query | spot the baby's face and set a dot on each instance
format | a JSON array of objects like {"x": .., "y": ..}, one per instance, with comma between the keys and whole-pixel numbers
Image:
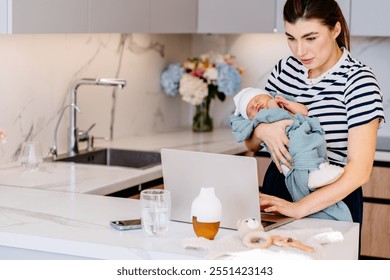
[{"x": 256, "y": 104}]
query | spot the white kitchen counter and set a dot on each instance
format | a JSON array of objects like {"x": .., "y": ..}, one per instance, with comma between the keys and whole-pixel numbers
[
  {"x": 103, "y": 180},
  {"x": 77, "y": 178},
  {"x": 48, "y": 224}
]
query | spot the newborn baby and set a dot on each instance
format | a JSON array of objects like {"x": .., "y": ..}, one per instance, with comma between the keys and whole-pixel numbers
[{"x": 250, "y": 101}]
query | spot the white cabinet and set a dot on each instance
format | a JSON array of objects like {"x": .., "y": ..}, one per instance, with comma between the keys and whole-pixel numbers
[
  {"x": 173, "y": 16},
  {"x": 3, "y": 16},
  {"x": 119, "y": 16},
  {"x": 44, "y": 16},
  {"x": 279, "y": 25},
  {"x": 370, "y": 18},
  {"x": 365, "y": 18},
  {"x": 98, "y": 16},
  {"x": 236, "y": 16}
]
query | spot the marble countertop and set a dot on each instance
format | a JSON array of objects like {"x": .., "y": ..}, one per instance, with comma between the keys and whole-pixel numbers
[
  {"x": 103, "y": 180},
  {"x": 41, "y": 224}
]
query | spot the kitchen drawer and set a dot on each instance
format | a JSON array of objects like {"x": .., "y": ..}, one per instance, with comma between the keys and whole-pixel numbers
[
  {"x": 378, "y": 186},
  {"x": 376, "y": 230}
]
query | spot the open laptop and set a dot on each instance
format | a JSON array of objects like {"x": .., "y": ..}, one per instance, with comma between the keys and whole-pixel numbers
[{"x": 233, "y": 177}]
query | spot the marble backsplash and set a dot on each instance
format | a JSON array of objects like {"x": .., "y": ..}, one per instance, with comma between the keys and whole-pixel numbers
[{"x": 36, "y": 73}]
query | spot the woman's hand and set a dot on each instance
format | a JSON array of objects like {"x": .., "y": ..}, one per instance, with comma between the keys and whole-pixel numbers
[
  {"x": 274, "y": 136},
  {"x": 269, "y": 203}
]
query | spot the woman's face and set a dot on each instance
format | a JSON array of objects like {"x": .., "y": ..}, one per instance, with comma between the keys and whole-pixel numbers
[
  {"x": 314, "y": 44},
  {"x": 256, "y": 104}
]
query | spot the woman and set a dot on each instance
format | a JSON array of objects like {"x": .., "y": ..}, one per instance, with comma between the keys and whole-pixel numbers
[{"x": 337, "y": 89}]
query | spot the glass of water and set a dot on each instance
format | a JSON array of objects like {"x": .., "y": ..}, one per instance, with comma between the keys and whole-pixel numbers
[
  {"x": 31, "y": 155},
  {"x": 155, "y": 211}
]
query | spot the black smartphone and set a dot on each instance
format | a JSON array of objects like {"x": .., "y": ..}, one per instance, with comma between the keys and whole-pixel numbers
[{"x": 126, "y": 224}]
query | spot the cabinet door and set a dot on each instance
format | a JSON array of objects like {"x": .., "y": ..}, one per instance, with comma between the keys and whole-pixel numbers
[
  {"x": 279, "y": 25},
  {"x": 378, "y": 185},
  {"x": 236, "y": 16},
  {"x": 376, "y": 221},
  {"x": 344, "y": 5},
  {"x": 3, "y": 16},
  {"x": 173, "y": 16},
  {"x": 119, "y": 16},
  {"x": 376, "y": 230},
  {"x": 370, "y": 18},
  {"x": 47, "y": 16}
]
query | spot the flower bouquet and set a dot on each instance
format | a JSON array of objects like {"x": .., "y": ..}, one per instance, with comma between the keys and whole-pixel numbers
[{"x": 199, "y": 80}]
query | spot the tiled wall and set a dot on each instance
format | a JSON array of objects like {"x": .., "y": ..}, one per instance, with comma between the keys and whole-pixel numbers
[{"x": 36, "y": 72}]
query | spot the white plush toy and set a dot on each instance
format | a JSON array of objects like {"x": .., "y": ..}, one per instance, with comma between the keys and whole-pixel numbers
[{"x": 244, "y": 226}]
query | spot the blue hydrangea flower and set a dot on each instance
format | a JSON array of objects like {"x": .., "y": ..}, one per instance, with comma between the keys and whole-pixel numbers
[
  {"x": 229, "y": 80},
  {"x": 170, "y": 79}
]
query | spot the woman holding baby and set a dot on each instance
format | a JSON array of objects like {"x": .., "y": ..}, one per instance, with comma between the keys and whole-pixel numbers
[{"x": 337, "y": 89}]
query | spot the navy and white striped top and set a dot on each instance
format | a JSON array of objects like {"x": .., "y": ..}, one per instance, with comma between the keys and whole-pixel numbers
[{"x": 345, "y": 97}]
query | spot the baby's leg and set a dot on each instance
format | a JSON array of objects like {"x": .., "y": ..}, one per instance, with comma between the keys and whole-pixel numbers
[{"x": 326, "y": 174}]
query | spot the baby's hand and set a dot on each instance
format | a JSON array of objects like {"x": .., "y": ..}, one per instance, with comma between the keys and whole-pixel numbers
[{"x": 281, "y": 101}]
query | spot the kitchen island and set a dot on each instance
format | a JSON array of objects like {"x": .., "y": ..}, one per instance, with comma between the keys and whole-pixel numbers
[
  {"x": 41, "y": 224},
  {"x": 59, "y": 211}
]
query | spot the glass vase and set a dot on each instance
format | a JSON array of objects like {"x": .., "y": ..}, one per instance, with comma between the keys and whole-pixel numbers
[{"x": 202, "y": 122}]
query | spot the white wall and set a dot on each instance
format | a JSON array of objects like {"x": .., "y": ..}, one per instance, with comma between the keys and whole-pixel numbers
[{"x": 36, "y": 72}]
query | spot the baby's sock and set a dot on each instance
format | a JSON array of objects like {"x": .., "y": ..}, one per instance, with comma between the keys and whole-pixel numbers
[
  {"x": 326, "y": 174},
  {"x": 285, "y": 169}
]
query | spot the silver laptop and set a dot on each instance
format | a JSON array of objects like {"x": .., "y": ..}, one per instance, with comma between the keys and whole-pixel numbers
[{"x": 233, "y": 177}]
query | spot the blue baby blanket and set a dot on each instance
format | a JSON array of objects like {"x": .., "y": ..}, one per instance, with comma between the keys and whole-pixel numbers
[{"x": 307, "y": 147}]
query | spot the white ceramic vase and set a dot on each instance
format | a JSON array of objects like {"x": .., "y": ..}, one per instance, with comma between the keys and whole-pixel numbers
[{"x": 206, "y": 212}]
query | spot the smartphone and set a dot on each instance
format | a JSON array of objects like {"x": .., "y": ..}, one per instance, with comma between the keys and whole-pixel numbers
[{"x": 126, "y": 224}]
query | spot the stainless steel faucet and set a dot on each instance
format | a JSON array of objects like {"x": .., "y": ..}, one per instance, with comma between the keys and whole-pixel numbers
[
  {"x": 73, "y": 131},
  {"x": 53, "y": 150}
]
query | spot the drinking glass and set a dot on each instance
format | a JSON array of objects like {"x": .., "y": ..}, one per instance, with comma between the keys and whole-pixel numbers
[
  {"x": 31, "y": 155},
  {"x": 155, "y": 211}
]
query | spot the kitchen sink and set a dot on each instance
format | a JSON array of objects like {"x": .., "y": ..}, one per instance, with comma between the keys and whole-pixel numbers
[{"x": 116, "y": 157}]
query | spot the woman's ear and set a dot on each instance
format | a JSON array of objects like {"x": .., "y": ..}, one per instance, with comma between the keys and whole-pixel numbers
[{"x": 336, "y": 30}]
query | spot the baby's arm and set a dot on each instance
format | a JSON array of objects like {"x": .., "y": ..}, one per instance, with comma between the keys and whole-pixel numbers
[{"x": 292, "y": 107}]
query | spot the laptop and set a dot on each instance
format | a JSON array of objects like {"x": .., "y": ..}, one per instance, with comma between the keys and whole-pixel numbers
[{"x": 233, "y": 177}]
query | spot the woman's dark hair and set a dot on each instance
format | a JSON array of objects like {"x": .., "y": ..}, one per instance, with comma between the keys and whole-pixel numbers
[{"x": 327, "y": 11}]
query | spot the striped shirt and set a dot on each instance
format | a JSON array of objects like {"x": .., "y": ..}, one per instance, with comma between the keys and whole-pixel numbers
[{"x": 346, "y": 96}]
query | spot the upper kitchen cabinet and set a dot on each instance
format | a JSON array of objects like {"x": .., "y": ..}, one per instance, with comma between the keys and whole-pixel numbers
[
  {"x": 173, "y": 16},
  {"x": 43, "y": 16},
  {"x": 279, "y": 25},
  {"x": 344, "y": 5},
  {"x": 370, "y": 18},
  {"x": 236, "y": 16},
  {"x": 119, "y": 16}
]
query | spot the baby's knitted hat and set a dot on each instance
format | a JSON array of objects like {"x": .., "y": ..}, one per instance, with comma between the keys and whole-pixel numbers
[{"x": 242, "y": 99}]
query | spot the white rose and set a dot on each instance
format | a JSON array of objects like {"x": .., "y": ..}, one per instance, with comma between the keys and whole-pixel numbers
[
  {"x": 192, "y": 89},
  {"x": 211, "y": 74}
]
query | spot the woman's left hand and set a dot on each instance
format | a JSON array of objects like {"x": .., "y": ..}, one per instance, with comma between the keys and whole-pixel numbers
[{"x": 269, "y": 203}]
